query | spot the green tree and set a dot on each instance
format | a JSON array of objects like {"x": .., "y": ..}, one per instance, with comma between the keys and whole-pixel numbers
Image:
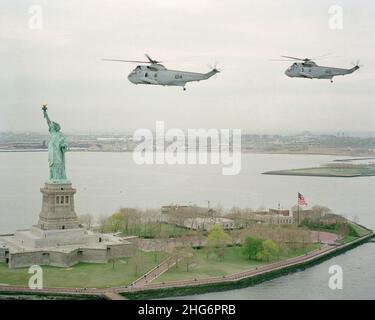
[
  {"x": 252, "y": 247},
  {"x": 269, "y": 250},
  {"x": 115, "y": 222},
  {"x": 130, "y": 220},
  {"x": 218, "y": 240}
]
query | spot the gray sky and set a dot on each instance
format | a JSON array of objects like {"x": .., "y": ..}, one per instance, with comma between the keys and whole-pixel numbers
[{"x": 60, "y": 64}]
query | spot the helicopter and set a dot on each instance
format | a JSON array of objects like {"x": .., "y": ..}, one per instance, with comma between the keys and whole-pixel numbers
[
  {"x": 308, "y": 69},
  {"x": 156, "y": 74}
]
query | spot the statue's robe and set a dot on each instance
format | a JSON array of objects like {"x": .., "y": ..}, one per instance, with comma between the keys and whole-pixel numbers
[{"x": 56, "y": 156}]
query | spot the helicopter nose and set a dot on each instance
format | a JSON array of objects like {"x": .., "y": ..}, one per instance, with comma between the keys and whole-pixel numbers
[{"x": 287, "y": 73}]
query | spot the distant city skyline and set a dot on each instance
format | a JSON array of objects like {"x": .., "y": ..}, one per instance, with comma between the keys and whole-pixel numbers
[
  {"x": 359, "y": 134},
  {"x": 60, "y": 64}
]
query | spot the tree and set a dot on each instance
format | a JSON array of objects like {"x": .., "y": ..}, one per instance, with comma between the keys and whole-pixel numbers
[
  {"x": 102, "y": 221},
  {"x": 269, "y": 250},
  {"x": 320, "y": 211},
  {"x": 188, "y": 255},
  {"x": 236, "y": 236},
  {"x": 115, "y": 222},
  {"x": 131, "y": 219},
  {"x": 138, "y": 260},
  {"x": 158, "y": 247},
  {"x": 113, "y": 261},
  {"x": 284, "y": 250},
  {"x": 252, "y": 247},
  {"x": 218, "y": 239},
  {"x": 317, "y": 213},
  {"x": 86, "y": 220}
]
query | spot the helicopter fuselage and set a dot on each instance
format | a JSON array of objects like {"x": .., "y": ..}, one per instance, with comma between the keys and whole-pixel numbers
[
  {"x": 311, "y": 70},
  {"x": 157, "y": 74}
]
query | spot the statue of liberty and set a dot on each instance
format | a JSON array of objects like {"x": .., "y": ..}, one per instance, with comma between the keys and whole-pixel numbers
[{"x": 57, "y": 147}]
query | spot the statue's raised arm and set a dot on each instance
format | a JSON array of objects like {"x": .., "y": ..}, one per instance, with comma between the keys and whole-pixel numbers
[{"x": 45, "y": 114}]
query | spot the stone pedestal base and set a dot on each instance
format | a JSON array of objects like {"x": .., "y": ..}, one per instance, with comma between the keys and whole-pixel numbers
[
  {"x": 62, "y": 248},
  {"x": 38, "y": 238},
  {"x": 58, "y": 207}
]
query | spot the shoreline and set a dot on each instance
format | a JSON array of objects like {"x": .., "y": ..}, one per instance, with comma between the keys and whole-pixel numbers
[
  {"x": 246, "y": 281},
  {"x": 355, "y": 156},
  {"x": 206, "y": 285}
]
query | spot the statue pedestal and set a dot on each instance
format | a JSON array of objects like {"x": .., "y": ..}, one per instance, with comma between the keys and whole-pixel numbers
[
  {"x": 37, "y": 238},
  {"x": 58, "y": 240},
  {"x": 58, "y": 207}
]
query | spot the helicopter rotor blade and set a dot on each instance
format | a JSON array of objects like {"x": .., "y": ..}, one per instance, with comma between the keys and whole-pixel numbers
[
  {"x": 152, "y": 60},
  {"x": 213, "y": 66},
  {"x": 282, "y": 60},
  {"x": 294, "y": 58},
  {"x": 130, "y": 61}
]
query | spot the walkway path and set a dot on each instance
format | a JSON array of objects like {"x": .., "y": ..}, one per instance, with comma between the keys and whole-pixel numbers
[
  {"x": 144, "y": 283},
  {"x": 237, "y": 276},
  {"x": 155, "y": 272}
]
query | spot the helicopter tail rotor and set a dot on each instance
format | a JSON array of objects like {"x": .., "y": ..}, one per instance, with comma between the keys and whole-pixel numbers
[
  {"x": 357, "y": 64},
  {"x": 214, "y": 67}
]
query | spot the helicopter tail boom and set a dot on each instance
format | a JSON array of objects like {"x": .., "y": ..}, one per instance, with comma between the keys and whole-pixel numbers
[
  {"x": 211, "y": 73},
  {"x": 355, "y": 68}
]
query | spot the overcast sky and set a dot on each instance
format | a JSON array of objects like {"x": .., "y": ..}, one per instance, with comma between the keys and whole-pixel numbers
[{"x": 60, "y": 64}]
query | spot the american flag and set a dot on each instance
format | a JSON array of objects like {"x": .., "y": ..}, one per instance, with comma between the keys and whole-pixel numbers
[{"x": 301, "y": 200}]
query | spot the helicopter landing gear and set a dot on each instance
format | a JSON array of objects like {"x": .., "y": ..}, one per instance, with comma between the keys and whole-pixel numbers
[{"x": 331, "y": 80}]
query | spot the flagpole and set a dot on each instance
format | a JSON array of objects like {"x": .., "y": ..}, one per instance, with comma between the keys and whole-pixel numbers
[
  {"x": 298, "y": 213},
  {"x": 319, "y": 228},
  {"x": 298, "y": 220}
]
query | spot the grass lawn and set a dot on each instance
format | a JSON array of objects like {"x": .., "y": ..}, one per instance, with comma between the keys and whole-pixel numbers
[
  {"x": 357, "y": 231},
  {"x": 89, "y": 275},
  {"x": 347, "y": 239},
  {"x": 234, "y": 261}
]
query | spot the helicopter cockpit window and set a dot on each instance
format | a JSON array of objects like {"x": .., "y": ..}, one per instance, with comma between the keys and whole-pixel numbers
[
  {"x": 292, "y": 67},
  {"x": 136, "y": 70}
]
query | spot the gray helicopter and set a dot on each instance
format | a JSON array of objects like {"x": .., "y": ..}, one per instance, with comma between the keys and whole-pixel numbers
[
  {"x": 308, "y": 69},
  {"x": 156, "y": 74}
]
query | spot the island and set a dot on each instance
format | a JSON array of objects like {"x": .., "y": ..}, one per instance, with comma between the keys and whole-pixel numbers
[
  {"x": 338, "y": 169},
  {"x": 186, "y": 249}
]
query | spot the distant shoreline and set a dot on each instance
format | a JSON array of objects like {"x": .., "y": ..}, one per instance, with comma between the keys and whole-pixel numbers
[{"x": 352, "y": 155}]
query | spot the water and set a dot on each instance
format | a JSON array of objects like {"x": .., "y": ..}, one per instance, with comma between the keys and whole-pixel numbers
[
  {"x": 312, "y": 283},
  {"x": 108, "y": 181}
]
